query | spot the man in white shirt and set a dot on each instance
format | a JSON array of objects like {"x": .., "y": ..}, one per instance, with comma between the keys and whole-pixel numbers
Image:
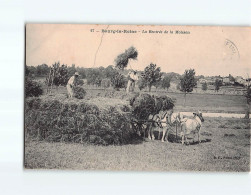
[
  {"x": 133, "y": 76},
  {"x": 71, "y": 84}
]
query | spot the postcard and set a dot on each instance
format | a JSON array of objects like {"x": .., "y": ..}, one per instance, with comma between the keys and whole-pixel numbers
[{"x": 137, "y": 97}]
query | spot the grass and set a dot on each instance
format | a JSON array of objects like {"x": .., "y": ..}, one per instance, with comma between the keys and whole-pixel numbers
[
  {"x": 225, "y": 141},
  {"x": 222, "y": 149},
  {"x": 204, "y": 102}
]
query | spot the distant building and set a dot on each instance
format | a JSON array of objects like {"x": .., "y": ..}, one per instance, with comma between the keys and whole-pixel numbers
[
  {"x": 226, "y": 81},
  {"x": 241, "y": 81}
]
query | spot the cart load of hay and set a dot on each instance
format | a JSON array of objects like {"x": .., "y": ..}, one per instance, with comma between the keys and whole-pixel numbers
[
  {"x": 81, "y": 121},
  {"x": 101, "y": 120},
  {"x": 144, "y": 105}
]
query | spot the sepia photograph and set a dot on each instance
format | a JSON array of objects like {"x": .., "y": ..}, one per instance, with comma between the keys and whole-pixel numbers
[{"x": 137, "y": 97}]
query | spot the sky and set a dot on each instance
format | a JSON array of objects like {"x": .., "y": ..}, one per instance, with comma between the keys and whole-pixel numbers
[{"x": 210, "y": 51}]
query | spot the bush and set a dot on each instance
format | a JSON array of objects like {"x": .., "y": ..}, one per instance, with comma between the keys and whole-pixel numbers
[
  {"x": 32, "y": 88},
  {"x": 79, "y": 92}
]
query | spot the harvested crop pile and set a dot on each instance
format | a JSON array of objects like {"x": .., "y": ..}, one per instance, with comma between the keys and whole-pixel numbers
[
  {"x": 145, "y": 104},
  {"x": 79, "y": 92},
  {"x": 60, "y": 119}
]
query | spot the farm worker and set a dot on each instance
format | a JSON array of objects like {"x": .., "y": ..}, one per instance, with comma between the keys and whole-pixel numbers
[
  {"x": 71, "y": 84},
  {"x": 133, "y": 76}
]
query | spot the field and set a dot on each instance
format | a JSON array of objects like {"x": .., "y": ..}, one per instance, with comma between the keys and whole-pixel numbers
[
  {"x": 225, "y": 147},
  {"x": 194, "y": 101},
  {"x": 225, "y": 141}
]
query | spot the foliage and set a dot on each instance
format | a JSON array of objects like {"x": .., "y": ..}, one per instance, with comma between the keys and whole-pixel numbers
[
  {"x": 109, "y": 72},
  {"x": 151, "y": 75},
  {"x": 82, "y": 72},
  {"x": 187, "y": 81},
  {"x": 204, "y": 86},
  {"x": 27, "y": 71},
  {"x": 32, "y": 88},
  {"x": 105, "y": 83},
  {"x": 30, "y": 71},
  {"x": 122, "y": 59},
  {"x": 118, "y": 81},
  {"x": 79, "y": 92},
  {"x": 141, "y": 84},
  {"x": 42, "y": 70},
  {"x": 71, "y": 70},
  {"x": 61, "y": 76},
  {"x": 94, "y": 77},
  {"x": 217, "y": 84},
  {"x": 158, "y": 84},
  {"x": 166, "y": 82}
]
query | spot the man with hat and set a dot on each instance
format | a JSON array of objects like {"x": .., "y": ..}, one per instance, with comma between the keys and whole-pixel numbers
[{"x": 71, "y": 84}]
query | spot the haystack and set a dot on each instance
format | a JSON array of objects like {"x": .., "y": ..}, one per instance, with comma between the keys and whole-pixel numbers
[
  {"x": 72, "y": 120},
  {"x": 145, "y": 104}
]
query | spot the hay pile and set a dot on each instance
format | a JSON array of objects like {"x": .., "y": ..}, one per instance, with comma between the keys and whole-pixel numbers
[
  {"x": 80, "y": 121},
  {"x": 145, "y": 104},
  {"x": 100, "y": 120},
  {"x": 79, "y": 92}
]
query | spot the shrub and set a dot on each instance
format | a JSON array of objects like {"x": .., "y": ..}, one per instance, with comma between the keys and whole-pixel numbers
[
  {"x": 79, "y": 92},
  {"x": 32, "y": 88}
]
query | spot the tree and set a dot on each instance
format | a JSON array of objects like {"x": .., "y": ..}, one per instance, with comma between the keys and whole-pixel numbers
[
  {"x": 217, "y": 84},
  {"x": 122, "y": 59},
  {"x": 81, "y": 72},
  {"x": 141, "y": 84},
  {"x": 151, "y": 75},
  {"x": 105, "y": 83},
  {"x": 204, "y": 86},
  {"x": 118, "y": 81},
  {"x": 109, "y": 72},
  {"x": 42, "y": 70},
  {"x": 71, "y": 70},
  {"x": 62, "y": 77},
  {"x": 166, "y": 82},
  {"x": 187, "y": 82},
  {"x": 158, "y": 84},
  {"x": 30, "y": 71},
  {"x": 94, "y": 77}
]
